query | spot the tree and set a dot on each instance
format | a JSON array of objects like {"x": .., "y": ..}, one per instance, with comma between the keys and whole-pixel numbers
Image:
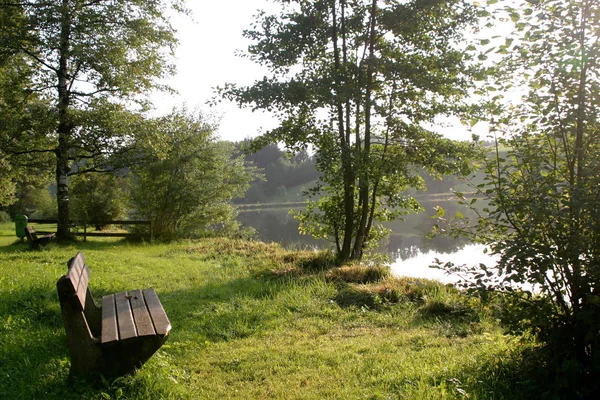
[
  {"x": 90, "y": 60},
  {"x": 186, "y": 189},
  {"x": 21, "y": 113},
  {"x": 543, "y": 218},
  {"x": 359, "y": 82},
  {"x": 7, "y": 186}
]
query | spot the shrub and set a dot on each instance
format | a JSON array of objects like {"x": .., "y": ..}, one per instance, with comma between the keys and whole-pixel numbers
[
  {"x": 4, "y": 217},
  {"x": 187, "y": 189},
  {"x": 98, "y": 197}
]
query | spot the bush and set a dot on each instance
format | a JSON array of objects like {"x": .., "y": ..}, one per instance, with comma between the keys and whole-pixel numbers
[
  {"x": 98, "y": 197},
  {"x": 4, "y": 217},
  {"x": 186, "y": 191},
  {"x": 44, "y": 204}
]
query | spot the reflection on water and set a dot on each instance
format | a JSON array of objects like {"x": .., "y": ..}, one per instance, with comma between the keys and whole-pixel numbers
[
  {"x": 278, "y": 226},
  {"x": 401, "y": 247},
  {"x": 408, "y": 244},
  {"x": 418, "y": 264}
]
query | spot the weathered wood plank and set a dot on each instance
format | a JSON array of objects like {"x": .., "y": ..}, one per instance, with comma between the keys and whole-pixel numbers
[
  {"x": 84, "y": 280},
  {"x": 75, "y": 267},
  {"x": 110, "y": 330},
  {"x": 162, "y": 325},
  {"x": 125, "y": 316},
  {"x": 79, "y": 275},
  {"x": 141, "y": 316}
]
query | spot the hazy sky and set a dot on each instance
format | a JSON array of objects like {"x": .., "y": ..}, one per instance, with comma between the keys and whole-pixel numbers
[{"x": 206, "y": 58}]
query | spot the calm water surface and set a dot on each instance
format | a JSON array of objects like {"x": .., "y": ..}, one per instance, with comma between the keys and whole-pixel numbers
[
  {"x": 418, "y": 264},
  {"x": 408, "y": 246}
]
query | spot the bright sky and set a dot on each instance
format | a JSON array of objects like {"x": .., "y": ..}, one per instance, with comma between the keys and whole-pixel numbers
[{"x": 206, "y": 58}]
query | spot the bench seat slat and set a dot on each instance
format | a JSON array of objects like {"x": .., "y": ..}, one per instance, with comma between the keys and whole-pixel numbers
[
  {"x": 125, "y": 316},
  {"x": 110, "y": 330},
  {"x": 142, "y": 319},
  {"x": 162, "y": 325}
]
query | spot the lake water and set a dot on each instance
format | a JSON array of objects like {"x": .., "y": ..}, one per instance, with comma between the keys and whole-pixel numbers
[
  {"x": 418, "y": 264},
  {"x": 408, "y": 245}
]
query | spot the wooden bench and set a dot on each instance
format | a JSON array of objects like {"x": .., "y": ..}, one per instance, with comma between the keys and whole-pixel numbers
[
  {"x": 117, "y": 337},
  {"x": 34, "y": 241}
]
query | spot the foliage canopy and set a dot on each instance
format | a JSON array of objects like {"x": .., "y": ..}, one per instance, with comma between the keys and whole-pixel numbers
[
  {"x": 543, "y": 218},
  {"x": 186, "y": 188},
  {"x": 360, "y": 82},
  {"x": 89, "y": 62}
]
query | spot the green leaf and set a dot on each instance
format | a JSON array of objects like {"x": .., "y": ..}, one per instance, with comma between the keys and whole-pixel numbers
[{"x": 440, "y": 212}]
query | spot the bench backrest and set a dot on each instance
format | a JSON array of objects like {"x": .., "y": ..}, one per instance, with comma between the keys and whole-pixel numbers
[
  {"x": 30, "y": 231},
  {"x": 77, "y": 302},
  {"x": 76, "y": 281}
]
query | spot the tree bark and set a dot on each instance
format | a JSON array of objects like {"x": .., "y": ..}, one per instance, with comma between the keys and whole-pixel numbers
[
  {"x": 64, "y": 129},
  {"x": 348, "y": 175},
  {"x": 364, "y": 184}
]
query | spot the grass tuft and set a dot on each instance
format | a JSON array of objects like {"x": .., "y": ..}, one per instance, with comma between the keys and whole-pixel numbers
[
  {"x": 311, "y": 261},
  {"x": 358, "y": 273}
]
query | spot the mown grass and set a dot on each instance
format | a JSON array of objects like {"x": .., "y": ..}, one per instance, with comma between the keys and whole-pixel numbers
[{"x": 250, "y": 321}]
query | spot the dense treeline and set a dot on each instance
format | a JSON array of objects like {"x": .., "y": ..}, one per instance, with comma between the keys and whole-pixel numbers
[
  {"x": 284, "y": 177},
  {"x": 281, "y": 172}
]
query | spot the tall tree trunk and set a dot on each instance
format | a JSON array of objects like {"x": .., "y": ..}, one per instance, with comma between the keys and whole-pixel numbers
[
  {"x": 64, "y": 129},
  {"x": 364, "y": 184},
  {"x": 580, "y": 287},
  {"x": 377, "y": 179},
  {"x": 346, "y": 155}
]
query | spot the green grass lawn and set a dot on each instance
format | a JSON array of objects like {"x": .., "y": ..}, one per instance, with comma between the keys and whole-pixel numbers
[{"x": 249, "y": 322}]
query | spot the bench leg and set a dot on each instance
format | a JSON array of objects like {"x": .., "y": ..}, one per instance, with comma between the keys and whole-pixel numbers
[
  {"x": 86, "y": 358},
  {"x": 125, "y": 358}
]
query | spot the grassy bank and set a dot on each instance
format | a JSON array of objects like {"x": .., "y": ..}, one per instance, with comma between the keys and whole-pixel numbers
[{"x": 252, "y": 321}]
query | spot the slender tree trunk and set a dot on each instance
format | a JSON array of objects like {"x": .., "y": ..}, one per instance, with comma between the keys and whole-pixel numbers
[
  {"x": 377, "y": 180},
  {"x": 364, "y": 184},
  {"x": 580, "y": 287},
  {"x": 348, "y": 175},
  {"x": 64, "y": 129}
]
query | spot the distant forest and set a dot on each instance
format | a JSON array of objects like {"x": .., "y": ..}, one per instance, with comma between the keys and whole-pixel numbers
[
  {"x": 283, "y": 174},
  {"x": 285, "y": 177}
]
